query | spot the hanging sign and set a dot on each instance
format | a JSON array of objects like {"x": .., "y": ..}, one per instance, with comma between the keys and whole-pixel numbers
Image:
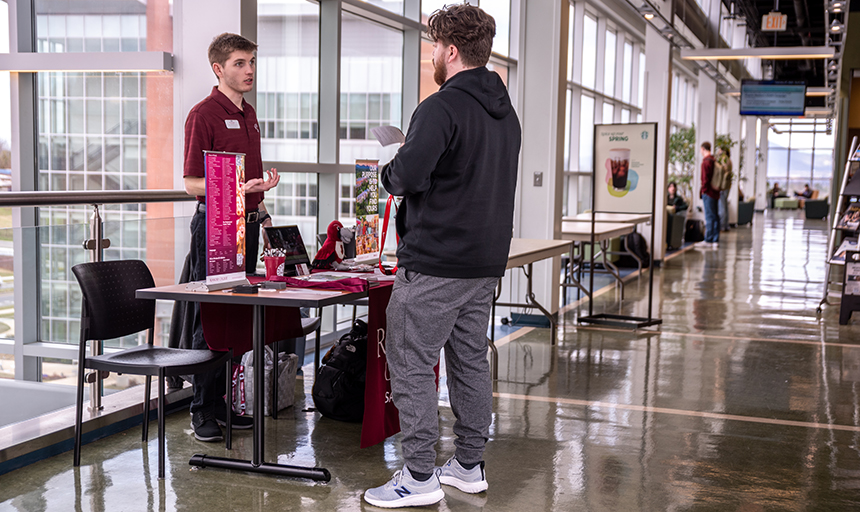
[
  {"x": 225, "y": 217},
  {"x": 774, "y": 22}
]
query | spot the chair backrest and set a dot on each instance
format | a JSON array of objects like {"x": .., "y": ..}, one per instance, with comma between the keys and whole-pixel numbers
[{"x": 110, "y": 309}]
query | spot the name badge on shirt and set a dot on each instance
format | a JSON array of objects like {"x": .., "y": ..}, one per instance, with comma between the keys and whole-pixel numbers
[{"x": 232, "y": 124}]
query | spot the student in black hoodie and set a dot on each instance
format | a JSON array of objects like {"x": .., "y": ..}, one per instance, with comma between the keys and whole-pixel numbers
[{"x": 457, "y": 173}]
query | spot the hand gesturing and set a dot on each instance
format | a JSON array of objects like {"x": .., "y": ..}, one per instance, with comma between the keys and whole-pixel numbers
[{"x": 260, "y": 185}]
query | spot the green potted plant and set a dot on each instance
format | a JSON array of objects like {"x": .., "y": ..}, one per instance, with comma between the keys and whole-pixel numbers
[{"x": 682, "y": 157}]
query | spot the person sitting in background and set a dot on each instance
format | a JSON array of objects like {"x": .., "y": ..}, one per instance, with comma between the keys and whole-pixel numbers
[
  {"x": 777, "y": 192},
  {"x": 673, "y": 199},
  {"x": 806, "y": 193}
]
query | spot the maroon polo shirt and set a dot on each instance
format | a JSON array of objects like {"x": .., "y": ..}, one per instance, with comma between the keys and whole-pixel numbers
[{"x": 216, "y": 124}]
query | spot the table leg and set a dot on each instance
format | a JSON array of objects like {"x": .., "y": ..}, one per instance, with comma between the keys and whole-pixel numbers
[
  {"x": 612, "y": 269},
  {"x": 256, "y": 463},
  {"x": 628, "y": 251},
  {"x": 532, "y": 300},
  {"x": 259, "y": 381}
]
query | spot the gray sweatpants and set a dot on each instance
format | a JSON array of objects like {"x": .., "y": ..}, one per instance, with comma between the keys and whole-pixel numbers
[{"x": 425, "y": 314}]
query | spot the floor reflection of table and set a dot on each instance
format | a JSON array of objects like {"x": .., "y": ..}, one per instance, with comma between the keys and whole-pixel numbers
[
  {"x": 524, "y": 252},
  {"x": 580, "y": 232},
  {"x": 291, "y": 297}
]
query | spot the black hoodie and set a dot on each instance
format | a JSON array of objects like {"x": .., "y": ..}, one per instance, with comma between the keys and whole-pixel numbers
[{"x": 457, "y": 173}]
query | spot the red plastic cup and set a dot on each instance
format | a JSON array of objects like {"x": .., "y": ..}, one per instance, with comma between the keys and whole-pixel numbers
[{"x": 274, "y": 266}]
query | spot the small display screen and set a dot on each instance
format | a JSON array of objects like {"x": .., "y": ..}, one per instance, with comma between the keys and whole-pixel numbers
[
  {"x": 289, "y": 240},
  {"x": 773, "y": 98}
]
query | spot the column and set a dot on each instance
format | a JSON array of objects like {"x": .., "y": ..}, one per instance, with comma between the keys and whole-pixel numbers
[
  {"x": 706, "y": 130},
  {"x": 658, "y": 98},
  {"x": 751, "y": 171},
  {"x": 761, "y": 171},
  {"x": 735, "y": 123},
  {"x": 195, "y": 24},
  {"x": 541, "y": 93}
]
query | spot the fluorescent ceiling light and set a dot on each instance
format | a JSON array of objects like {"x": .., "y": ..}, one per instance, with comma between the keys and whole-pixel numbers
[
  {"x": 108, "y": 62},
  {"x": 772, "y": 52}
]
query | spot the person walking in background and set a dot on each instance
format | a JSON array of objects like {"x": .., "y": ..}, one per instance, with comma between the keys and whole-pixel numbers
[
  {"x": 724, "y": 157},
  {"x": 457, "y": 173},
  {"x": 710, "y": 196}
]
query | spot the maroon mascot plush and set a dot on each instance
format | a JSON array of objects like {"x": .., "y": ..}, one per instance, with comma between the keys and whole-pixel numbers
[{"x": 331, "y": 252}]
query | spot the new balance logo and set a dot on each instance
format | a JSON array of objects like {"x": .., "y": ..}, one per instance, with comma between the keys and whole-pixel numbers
[{"x": 403, "y": 491}]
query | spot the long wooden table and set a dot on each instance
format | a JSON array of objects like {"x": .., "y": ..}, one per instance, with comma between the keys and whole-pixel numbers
[
  {"x": 622, "y": 218},
  {"x": 580, "y": 232},
  {"x": 291, "y": 297}
]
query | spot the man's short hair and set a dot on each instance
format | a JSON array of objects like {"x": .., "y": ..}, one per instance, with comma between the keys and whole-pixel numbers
[
  {"x": 468, "y": 28},
  {"x": 225, "y": 44},
  {"x": 706, "y": 145}
]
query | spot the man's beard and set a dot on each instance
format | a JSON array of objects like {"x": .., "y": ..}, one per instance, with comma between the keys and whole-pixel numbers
[{"x": 440, "y": 73}]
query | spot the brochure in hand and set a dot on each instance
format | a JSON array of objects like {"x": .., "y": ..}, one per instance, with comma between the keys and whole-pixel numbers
[
  {"x": 851, "y": 218},
  {"x": 387, "y": 135}
]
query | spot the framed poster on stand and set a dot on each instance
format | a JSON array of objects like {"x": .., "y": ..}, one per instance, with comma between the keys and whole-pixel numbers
[{"x": 624, "y": 179}]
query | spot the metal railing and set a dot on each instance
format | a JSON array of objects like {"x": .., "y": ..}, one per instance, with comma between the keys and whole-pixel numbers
[{"x": 96, "y": 244}]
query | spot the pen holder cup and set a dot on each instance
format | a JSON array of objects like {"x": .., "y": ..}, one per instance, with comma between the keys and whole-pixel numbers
[{"x": 274, "y": 266}]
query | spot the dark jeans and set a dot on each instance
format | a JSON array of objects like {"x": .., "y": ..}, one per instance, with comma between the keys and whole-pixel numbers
[
  {"x": 712, "y": 218},
  {"x": 209, "y": 387}
]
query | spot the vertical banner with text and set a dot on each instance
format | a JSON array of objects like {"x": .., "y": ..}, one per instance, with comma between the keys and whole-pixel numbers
[
  {"x": 225, "y": 217},
  {"x": 367, "y": 210},
  {"x": 625, "y": 160}
]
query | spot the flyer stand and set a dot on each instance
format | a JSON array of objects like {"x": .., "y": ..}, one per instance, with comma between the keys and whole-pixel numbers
[{"x": 624, "y": 181}]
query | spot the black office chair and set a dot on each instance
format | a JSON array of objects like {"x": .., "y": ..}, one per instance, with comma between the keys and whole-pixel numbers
[{"x": 110, "y": 310}]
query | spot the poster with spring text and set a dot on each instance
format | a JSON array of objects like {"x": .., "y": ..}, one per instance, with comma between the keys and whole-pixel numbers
[
  {"x": 625, "y": 158},
  {"x": 366, "y": 210},
  {"x": 225, "y": 217}
]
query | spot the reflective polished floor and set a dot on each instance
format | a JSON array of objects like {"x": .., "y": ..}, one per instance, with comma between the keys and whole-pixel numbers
[{"x": 743, "y": 400}]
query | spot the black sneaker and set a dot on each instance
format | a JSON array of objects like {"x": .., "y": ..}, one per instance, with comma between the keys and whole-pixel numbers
[
  {"x": 239, "y": 422},
  {"x": 205, "y": 428}
]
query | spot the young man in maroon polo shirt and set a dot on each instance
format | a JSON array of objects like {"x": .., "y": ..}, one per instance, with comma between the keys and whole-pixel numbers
[{"x": 223, "y": 122}]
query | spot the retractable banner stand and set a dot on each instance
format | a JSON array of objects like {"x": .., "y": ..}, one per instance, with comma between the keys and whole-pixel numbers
[
  {"x": 625, "y": 174},
  {"x": 225, "y": 219},
  {"x": 366, "y": 211}
]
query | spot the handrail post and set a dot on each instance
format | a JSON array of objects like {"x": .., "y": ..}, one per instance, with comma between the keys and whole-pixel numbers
[{"x": 96, "y": 245}]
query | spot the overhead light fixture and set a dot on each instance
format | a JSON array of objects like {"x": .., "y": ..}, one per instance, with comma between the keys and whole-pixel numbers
[
  {"x": 771, "y": 52},
  {"x": 107, "y": 62},
  {"x": 833, "y": 75},
  {"x": 836, "y": 27},
  {"x": 647, "y": 11},
  {"x": 833, "y": 65},
  {"x": 836, "y": 6}
]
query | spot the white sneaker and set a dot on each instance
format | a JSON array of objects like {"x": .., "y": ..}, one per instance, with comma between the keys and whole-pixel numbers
[
  {"x": 467, "y": 480},
  {"x": 404, "y": 491}
]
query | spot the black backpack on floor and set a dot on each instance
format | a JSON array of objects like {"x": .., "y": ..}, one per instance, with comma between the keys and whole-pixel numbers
[
  {"x": 338, "y": 389},
  {"x": 695, "y": 231},
  {"x": 636, "y": 244}
]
